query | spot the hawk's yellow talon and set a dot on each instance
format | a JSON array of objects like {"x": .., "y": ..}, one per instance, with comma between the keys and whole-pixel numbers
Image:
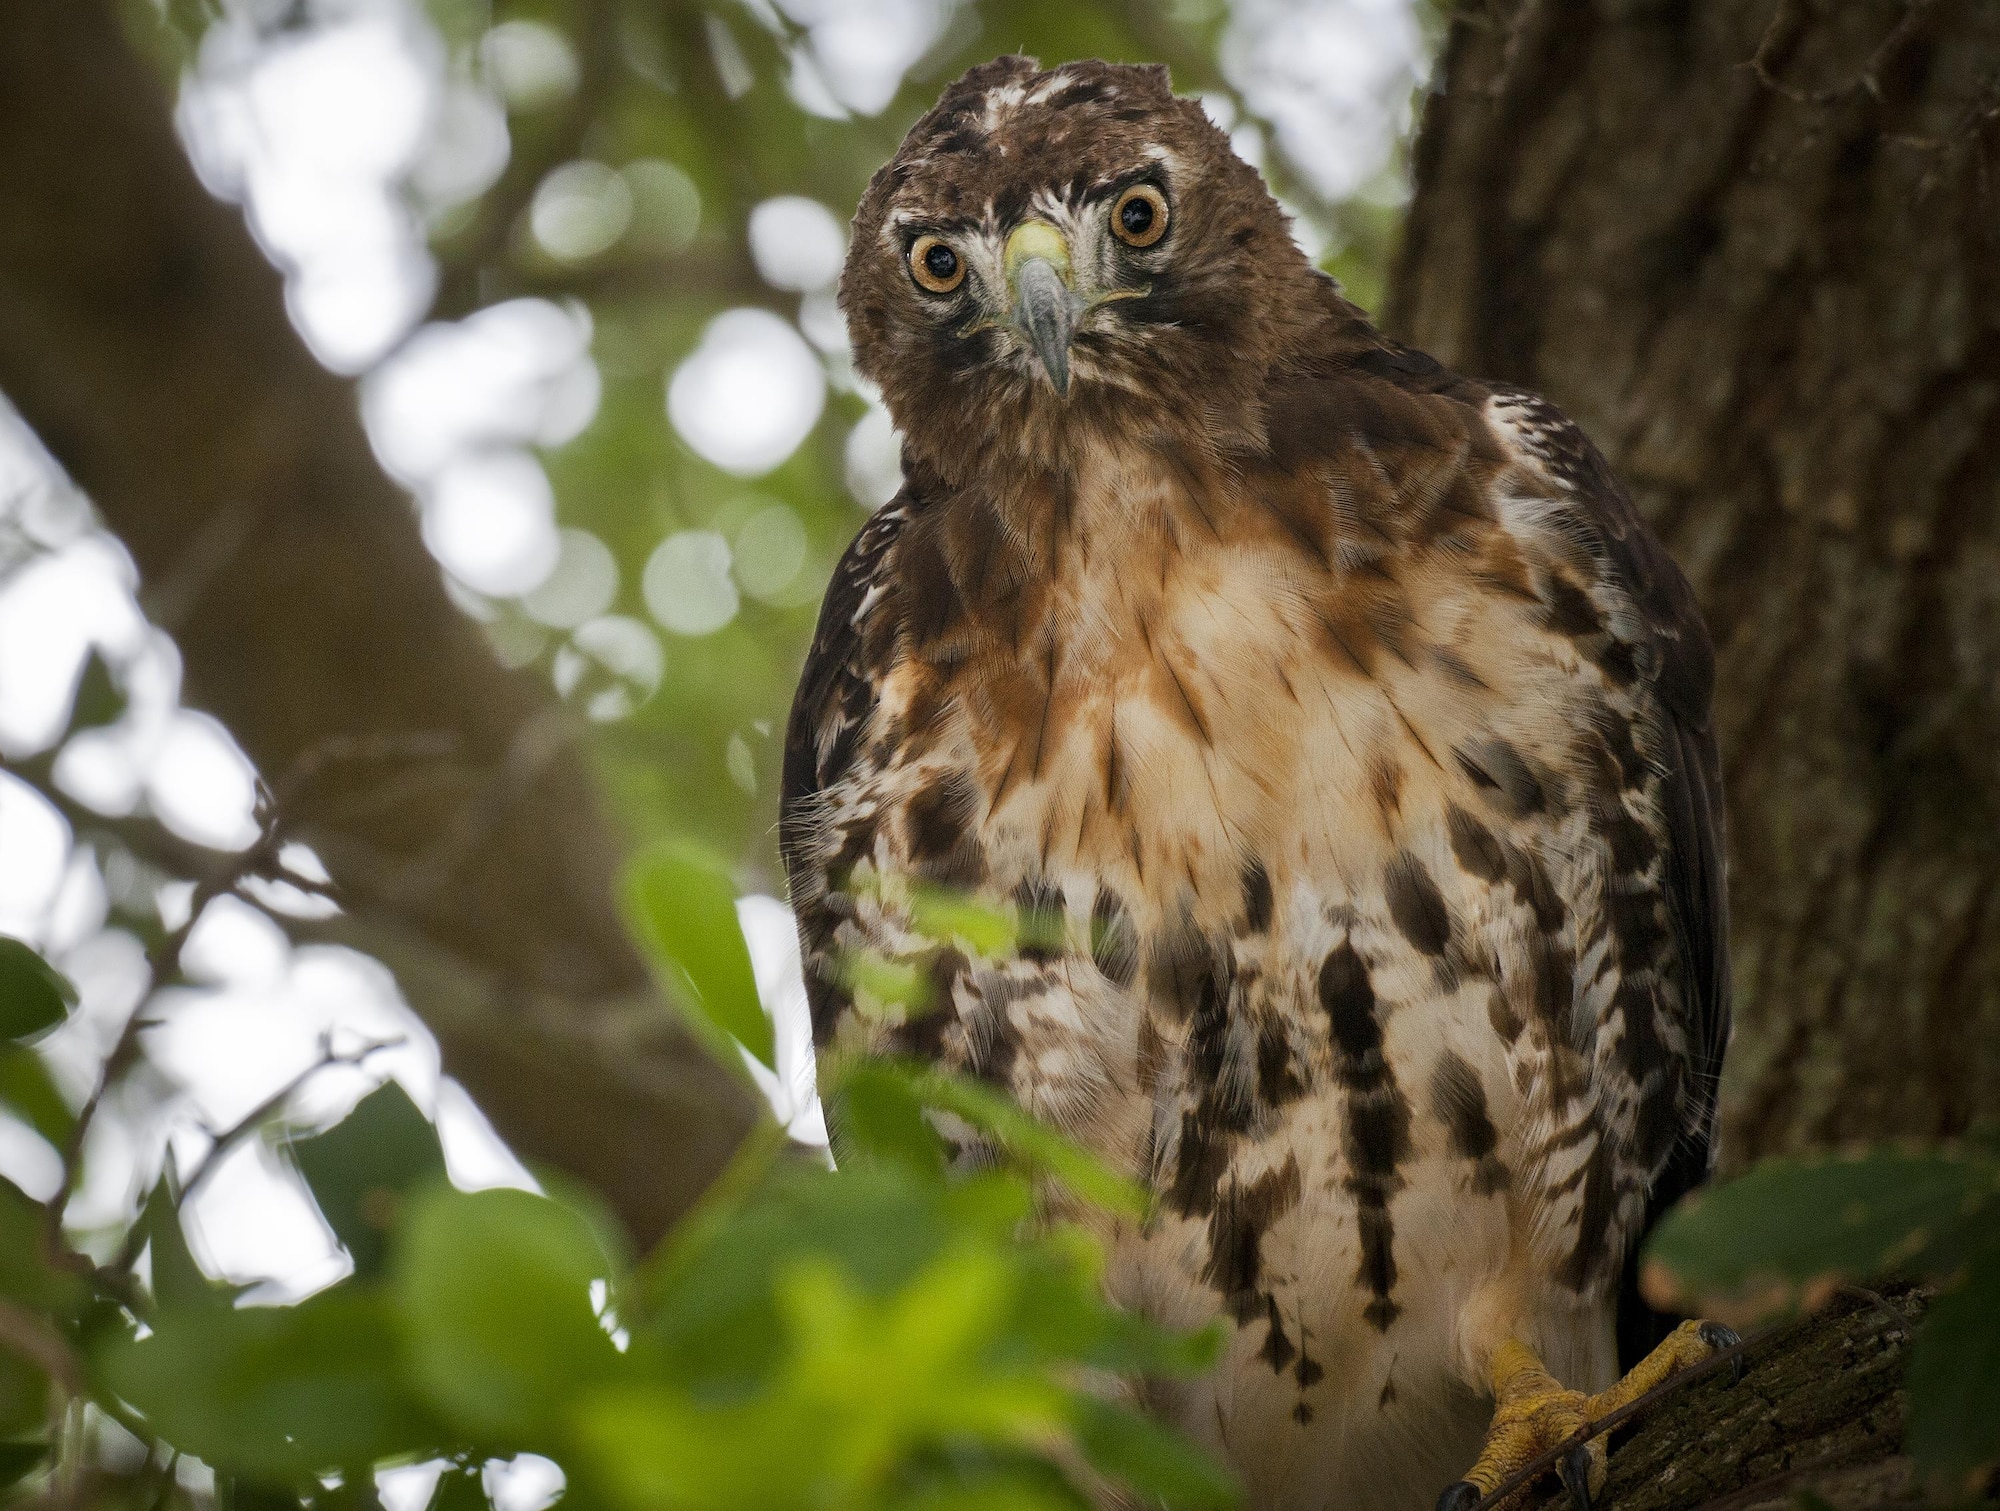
[{"x": 1533, "y": 1412}]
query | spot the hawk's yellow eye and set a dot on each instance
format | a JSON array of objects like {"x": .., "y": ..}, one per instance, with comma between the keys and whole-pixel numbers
[
  {"x": 935, "y": 265},
  {"x": 1140, "y": 217}
]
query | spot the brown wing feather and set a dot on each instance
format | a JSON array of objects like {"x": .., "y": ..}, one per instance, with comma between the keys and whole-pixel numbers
[
  {"x": 1682, "y": 672},
  {"x": 837, "y": 692}
]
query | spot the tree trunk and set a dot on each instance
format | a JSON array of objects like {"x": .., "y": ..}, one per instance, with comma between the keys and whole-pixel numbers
[
  {"x": 144, "y": 337},
  {"x": 1753, "y": 247}
]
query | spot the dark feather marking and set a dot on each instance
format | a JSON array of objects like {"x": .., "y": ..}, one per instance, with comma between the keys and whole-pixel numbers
[
  {"x": 1257, "y": 898},
  {"x": 992, "y": 1043},
  {"x": 1416, "y": 905},
  {"x": 1278, "y": 1081},
  {"x": 1114, "y": 767},
  {"x": 1480, "y": 854},
  {"x": 1552, "y": 982},
  {"x": 1570, "y": 612},
  {"x": 1499, "y": 771},
  {"x": 1242, "y": 1215},
  {"x": 923, "y": 1033},
  {"x": 1422, "y": 744},
  {"x": 1201, "y": 727},
  {"x": 1219, "y": 1113},
  {"x": 1376, "y": 1138},
  {"x": 1459, "y": 1102},
  {"x": 939, "y": 824},
  {"x": 1477, "y": 851},
  {"x": 1385, "y": 783},
  {"x": 1277, "y": 1351},
  {"x": 1048, "y": 698},
  {"x": 1593, "y": 1222},
  {"x": 1203, "y": 1159},
  {"x": 1114, "y": 942},
  {"x": 1458, "y": 668}
]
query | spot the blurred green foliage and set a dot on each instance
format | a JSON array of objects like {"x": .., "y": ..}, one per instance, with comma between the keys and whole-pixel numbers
[
  {"x": 1791, "y": 1232},
  {"x": 895, "y": 1335}
]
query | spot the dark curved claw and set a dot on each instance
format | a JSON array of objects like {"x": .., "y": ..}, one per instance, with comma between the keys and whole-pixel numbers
[
  {"x": 1573, "y": 1469},
  {"x": 1462, "y": 1496},
  {"x": 1719, "y": 1337}
]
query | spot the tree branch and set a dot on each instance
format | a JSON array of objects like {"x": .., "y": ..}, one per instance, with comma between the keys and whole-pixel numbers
[{"x": 144, "y": 337}]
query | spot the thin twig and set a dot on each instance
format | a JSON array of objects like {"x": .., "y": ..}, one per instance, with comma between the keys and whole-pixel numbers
[
  {"x": 221, "y": 1143},
  {"x": 1529, "y": 1472}
]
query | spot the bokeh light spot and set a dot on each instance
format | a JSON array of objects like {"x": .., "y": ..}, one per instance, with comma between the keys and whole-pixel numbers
[
  {"x": 531, "y": 66},
  {"x": 491, "y": 521},
  {"x": 666, "y": 205},
  {"x": 687, "y": 585},
  {"x": 796, "y": 243},
  {"x": 580, "y": 210},
  {"x": 582, "y": 586},
  {"x": 770, "y": 551},
  {"x": 874, "y": 459},
  {"x": 611, "y": 665},
  {"x": 34, "y": 842},
  {"x": 748, "y": 394},
  {"x": 202, "y": 786}
]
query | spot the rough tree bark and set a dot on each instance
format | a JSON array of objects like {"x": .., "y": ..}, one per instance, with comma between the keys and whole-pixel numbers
[
  {"x": 144, "y": 337},
  {"x": 1753, "y": 247}
]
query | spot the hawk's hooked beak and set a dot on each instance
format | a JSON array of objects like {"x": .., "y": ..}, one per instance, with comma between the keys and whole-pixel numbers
[{"x": 1046, "y": 309}]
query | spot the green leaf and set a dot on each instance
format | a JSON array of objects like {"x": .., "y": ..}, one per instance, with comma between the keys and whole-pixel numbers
[
  {"x": 364, "y": 1168},
  {"x": 26, "y": 1088},
  {"x": 874, "y": 1114},
  {"x": 178, "y": 1282},
  {"x": 1023, "y": 1137},
  {"x": 897, "y": 990},
  {"x": 944, "y": 915},
  {"x": 709, "y": 1298},
  {"x": 1158, "y": 1463},
  {"x": 273, "y": 1393},
  {"x": 494, "y": 1289},
  {"x": 34, "y": 996},
  {"x": 1790, "y": 1230},
  {"x": 19, "y": 1460},
  {"x": 24, "y": 1395},
  {"x": 98, "y": 701},
  {"x": 459, "y": 1490},
  {"x": 682, "y": 904},
  {"x": 1954, "y": 1379},
  {"x": 26, "y": 1275}
]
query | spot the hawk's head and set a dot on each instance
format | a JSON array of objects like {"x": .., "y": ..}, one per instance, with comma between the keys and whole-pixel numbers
[{"x": 1054, "y": 250}]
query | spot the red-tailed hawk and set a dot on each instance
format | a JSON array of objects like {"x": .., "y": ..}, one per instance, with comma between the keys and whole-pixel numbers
[{"x": 1341, "y": 736}]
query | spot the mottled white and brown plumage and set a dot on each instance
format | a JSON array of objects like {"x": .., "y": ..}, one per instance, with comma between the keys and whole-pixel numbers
[{"x": 1340, "y": 734}]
